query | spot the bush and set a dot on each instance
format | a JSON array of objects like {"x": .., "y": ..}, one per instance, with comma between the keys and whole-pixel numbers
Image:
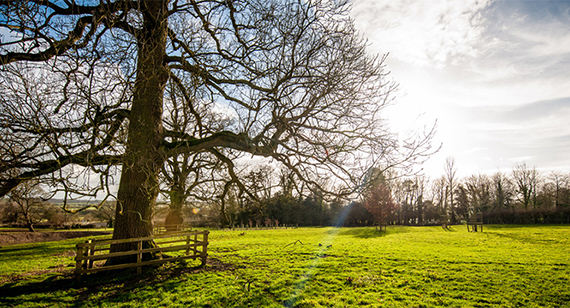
[{"x": 558, "y": 215}]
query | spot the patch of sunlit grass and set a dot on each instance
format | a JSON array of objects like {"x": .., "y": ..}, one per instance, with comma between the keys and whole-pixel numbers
[{"x": 511, "y": 266}]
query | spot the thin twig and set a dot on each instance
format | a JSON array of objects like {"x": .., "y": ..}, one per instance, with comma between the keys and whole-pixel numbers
[{"x": 295, "y": 242}]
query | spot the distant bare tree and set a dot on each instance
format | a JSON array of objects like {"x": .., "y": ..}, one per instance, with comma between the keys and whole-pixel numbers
[
  {"x": 479, "y": 189},
  {"x": 502, "y": 191},
  {"x": 561, "y": 184},
  {"x": 28, "y": 200},
  {"x": 260, "y": 181},
  {"x": 526, "y": 181},
  {"x": 409, "y": 190},
  {"x": 106, "y": 212},
  {"x": 451, "y": 181},
  {"x": 440, "y": 194},
  {"x": 421, "y": 186}
]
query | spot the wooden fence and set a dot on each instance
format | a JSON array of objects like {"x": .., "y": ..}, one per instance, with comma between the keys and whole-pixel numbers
[
  {"x": 245, "y": 227},
  {"x": 179, "y": 245},
  {"x": 163, "y": 228}
]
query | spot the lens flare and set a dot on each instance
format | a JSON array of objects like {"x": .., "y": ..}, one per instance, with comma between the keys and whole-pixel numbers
[{"x": 324, "y": 246}]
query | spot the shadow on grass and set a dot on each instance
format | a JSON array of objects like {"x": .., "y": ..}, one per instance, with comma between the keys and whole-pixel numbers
[
  {"x": 18, "y": 250},
  {"x": 62, "y": 289},
  {"x": 524, "y": 238},
  {"x": 371, "y": 232},
  {"x": 528, "y": 227},
  {"x": 38, "y": 249}
]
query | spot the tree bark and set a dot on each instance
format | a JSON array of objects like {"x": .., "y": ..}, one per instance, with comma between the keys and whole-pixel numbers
[
  {"x": 138, "y": 187},
  {"x": 174, "y": 218}
]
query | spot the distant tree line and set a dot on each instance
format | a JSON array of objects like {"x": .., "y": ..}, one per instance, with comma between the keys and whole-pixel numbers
[{"x": 522, "y": 196}]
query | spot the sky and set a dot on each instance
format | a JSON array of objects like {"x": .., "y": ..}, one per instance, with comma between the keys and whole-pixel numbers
[{"x": 494, "y": 76}]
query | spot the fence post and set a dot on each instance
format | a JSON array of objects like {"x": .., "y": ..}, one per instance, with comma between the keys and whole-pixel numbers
[
  {"x": 205, "y": 247},
  {"x": 91, "y": 252},
  {"x": 84, "y": 255},
  {"x": 78, "y": 262},
  {"x": 139, "y": 257},
  {"x": 187, "y": 244}
]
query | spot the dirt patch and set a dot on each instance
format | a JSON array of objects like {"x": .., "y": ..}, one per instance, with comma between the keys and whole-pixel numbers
[{"x": 12, "y": 238}]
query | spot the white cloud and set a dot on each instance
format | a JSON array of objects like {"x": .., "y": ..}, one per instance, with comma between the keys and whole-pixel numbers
[
  {"x": 523, "y": 41},
  {"x": 424, "y": 33},
  {"x": 7, "y": 36},
  {"x": 493, "y": 74}
]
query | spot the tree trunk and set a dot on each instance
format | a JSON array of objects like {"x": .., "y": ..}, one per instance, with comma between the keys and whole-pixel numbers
[
  {"x": 174, "y": 219},
  {"x": 138, "y": 188},
  {"x": 28, "y": 217}
]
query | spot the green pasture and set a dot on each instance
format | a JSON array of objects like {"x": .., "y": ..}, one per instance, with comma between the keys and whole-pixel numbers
[{"x": 505, "y": 266}]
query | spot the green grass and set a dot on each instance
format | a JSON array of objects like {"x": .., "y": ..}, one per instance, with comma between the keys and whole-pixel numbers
[{"x": 505, "y": 266}]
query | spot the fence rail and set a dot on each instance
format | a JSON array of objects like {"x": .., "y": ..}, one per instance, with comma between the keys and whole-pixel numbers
[
  {"x": 165, "y": 228},
  {"x": 183, "y": 245}
]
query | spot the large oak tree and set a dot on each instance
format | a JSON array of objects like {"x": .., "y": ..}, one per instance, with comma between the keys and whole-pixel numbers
[{"x": 83, "y": 87}]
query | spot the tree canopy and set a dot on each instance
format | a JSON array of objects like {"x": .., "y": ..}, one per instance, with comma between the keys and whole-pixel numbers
[{"x": 89, "y": 85}]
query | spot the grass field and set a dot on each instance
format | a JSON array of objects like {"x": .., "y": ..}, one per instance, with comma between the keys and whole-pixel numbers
[{"x": 505, "y": 266}]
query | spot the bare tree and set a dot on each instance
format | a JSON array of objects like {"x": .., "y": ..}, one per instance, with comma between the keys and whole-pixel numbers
[
  {"x": 106, "y": 212},
  {"x": 92, "y": 78},
  {"x": 408, "y": 190},
  {"x": 526, "y": 181},
  {"x": 561, "y": 183},
  {"x": 502, "y": 191},
  {"x": 479, "y": 189},
  {"x": 190, "y": 176},
  {"x": 421, "y": 184},
  {"x": 29, "y": 203},
  {"x": 450, "y": 177},
  {"x": 440, "y": 194}
]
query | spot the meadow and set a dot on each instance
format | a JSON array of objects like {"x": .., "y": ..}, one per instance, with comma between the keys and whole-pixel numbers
[{"x": 504, "y": 266}]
